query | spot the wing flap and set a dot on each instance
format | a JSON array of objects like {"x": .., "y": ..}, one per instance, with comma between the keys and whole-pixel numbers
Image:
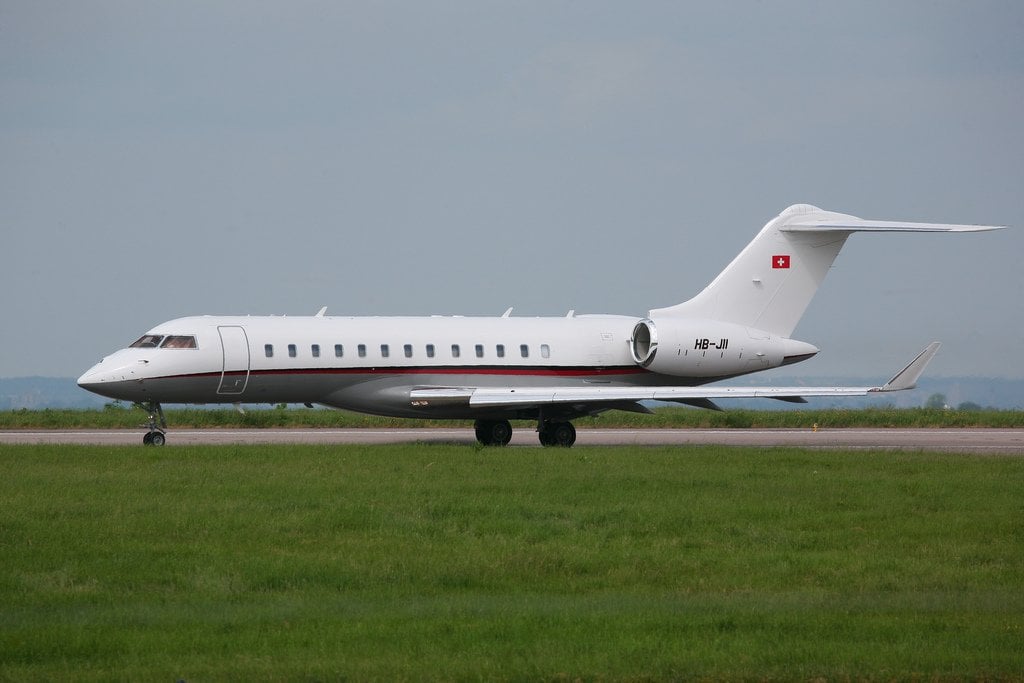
[{"x": 494, "y": 398}]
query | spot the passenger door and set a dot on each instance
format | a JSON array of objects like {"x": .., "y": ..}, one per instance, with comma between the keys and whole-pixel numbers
[{"x": 235, "y": 374}]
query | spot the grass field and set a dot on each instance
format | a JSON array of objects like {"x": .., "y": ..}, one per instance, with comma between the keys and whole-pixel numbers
[
  {"x": 122, "y": 417},
  {"x": 454, "y": 562}
]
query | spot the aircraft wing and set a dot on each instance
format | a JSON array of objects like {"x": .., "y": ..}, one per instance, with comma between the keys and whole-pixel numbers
[{"x": 494, "y": 397}]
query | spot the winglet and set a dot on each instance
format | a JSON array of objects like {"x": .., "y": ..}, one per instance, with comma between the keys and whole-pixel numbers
[{"x": 908, "y": 376}]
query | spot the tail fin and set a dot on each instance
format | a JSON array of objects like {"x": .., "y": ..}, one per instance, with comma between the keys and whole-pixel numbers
[{"x": 769, "y": 285}]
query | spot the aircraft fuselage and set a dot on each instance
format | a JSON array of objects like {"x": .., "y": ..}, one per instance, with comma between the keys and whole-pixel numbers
[{"x": 370, "y": 364}]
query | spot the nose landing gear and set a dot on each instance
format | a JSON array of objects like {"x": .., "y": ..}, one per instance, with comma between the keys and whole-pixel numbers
[{"x": 156, "y": 436}]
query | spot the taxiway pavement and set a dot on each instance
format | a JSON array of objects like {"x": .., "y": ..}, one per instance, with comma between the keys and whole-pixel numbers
[{"x": 975, "y": 441}]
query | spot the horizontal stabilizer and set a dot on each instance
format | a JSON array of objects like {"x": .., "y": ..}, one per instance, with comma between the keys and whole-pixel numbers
[{"x": 858, "y": 225}]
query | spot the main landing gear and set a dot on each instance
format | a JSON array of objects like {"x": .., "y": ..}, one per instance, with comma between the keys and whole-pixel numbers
[
  {"x": 550, "y": 433},
  {"x": 493, "y": 432},
  {"x": 157, "y": 434},
  {"x": 556, "y": 434}
]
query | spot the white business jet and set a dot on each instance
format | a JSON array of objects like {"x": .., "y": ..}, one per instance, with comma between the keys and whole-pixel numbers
[{"x": 495, "y": 369}]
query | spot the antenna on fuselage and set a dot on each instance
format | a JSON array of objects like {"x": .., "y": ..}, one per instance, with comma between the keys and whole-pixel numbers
[{"x": 320, "y": 313}]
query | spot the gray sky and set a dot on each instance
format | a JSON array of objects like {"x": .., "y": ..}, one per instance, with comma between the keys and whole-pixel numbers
[{"x": 164, "y": 159}]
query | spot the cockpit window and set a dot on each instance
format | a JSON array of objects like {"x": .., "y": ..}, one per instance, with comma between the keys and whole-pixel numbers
[
  {"x": 147, "y": 341},
  {"x": 179, "y": 341}
]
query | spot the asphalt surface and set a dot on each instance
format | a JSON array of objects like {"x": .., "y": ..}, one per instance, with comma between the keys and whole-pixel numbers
[{"x": 974, "y": 441}]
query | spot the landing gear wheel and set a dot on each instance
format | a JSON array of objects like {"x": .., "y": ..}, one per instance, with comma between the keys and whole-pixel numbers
[
  {"x": 564, "y": 434},
  {"x": 154, "y": 439},
  {"x": 493, "y": 432},
  {"x": 557, "y": 434}
]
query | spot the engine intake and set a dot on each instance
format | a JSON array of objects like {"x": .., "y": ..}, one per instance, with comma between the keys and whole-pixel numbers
[{"x": 644, "y": 342}]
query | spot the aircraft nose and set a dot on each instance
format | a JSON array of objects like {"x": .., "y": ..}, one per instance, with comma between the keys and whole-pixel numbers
[
  {"x": 111, "y": 375},
  {"x": 92, "y": 377}
]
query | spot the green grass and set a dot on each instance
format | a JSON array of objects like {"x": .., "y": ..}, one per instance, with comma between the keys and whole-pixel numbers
[
  {"x": 455, "y": 562},
  {"x": 128, "y": 418}
]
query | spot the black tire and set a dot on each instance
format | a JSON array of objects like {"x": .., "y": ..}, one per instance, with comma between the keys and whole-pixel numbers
[
  {"x": 563, "y": 434},
  {"x": 493, "y": 432},
  {"x": 157, "y": 438},
  {"x": 546, "y": 436},
  {"x": 147, "y": 439},
  {"x": 500, "y": 433}
]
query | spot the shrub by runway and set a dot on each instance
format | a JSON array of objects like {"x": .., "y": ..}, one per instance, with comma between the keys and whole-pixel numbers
[{"x": 456, "y": 562}]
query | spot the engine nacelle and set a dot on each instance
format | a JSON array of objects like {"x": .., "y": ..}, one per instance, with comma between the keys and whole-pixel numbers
[{"x": 684, "y": 347}]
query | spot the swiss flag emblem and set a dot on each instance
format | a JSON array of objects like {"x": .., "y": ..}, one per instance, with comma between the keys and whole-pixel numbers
[{"x": 780, "y": 261}]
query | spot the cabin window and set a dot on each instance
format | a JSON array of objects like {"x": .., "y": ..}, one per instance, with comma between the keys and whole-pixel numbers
[
  {"x": 430, "y": 350},
  {"x": 455, "y": 350},
  {"x": 315, "y": 348},
  {"x": 268, "y": 349},
  {"x": 339, "y": 350},
  {"x": 500, "y": 350},
  {"x": 524, "y": 350},
  {"x": 292, "y": 351},
  {"x": 545, "y": 351},
  {"x": 479, "y": 350},
  {"x": 408, "y": 350},
  {"x": 362, "y": 350},
  {"x": 179, "y": 341},
  {"x": 146, "y": 341},
  {"x": 384, "y": 351}
]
